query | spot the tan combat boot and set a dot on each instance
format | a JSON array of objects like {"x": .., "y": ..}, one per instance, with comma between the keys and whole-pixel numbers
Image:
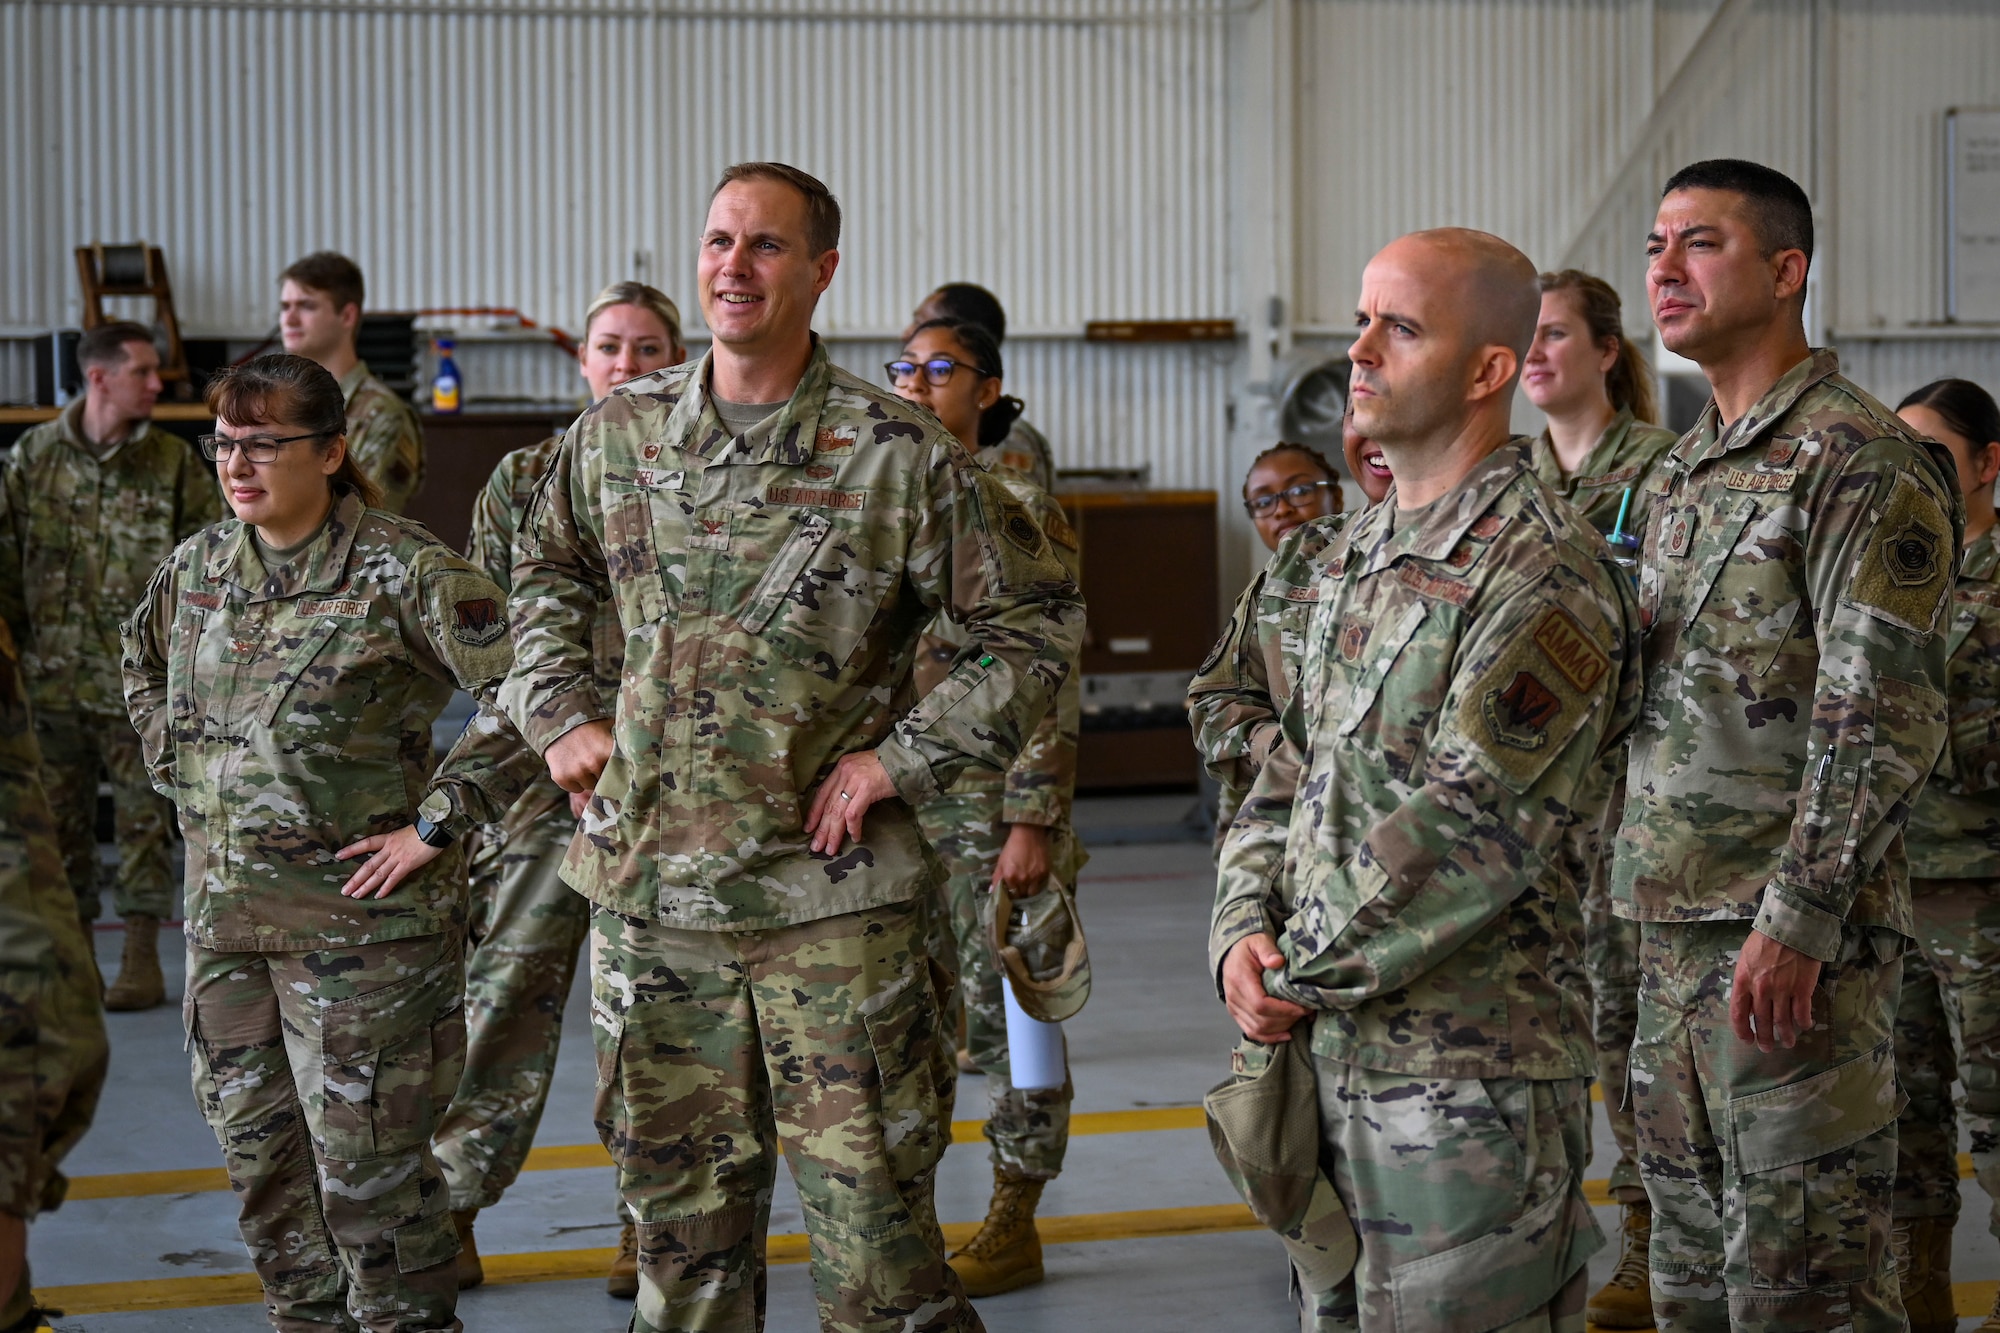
[
  {"x": 139, "y": 984},
  {"x": 623, "y": 1279},
  {"x": 1007, "y": 1252},
  {"x": 470, "y": 1271},
  {"x": 1922, "y": 1246},
  {"x": 1626, "y": 1301},
  {"x": 1992, "y": 1324}
]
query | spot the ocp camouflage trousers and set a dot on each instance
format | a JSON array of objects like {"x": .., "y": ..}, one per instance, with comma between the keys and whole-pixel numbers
[
  {"x": 1770, "y": 1175},
  {"x": 323, "y": 1075},
  {"x": 76, "y": 747},
  {"x": 526, "y": 928},
  {"x": 713, "y": 1044},
  {"x": 1611, "y": 963},
  {"x": 1028, "y": 1130},
  {"x": 1948, "y": 1025},
  {"x": 1468, "y": 1198}
]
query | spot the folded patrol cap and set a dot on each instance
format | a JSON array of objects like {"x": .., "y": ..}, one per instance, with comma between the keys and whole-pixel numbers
[
  {"x": 1264, "y": 1126},
  {"x": 1044, "y": 954}
]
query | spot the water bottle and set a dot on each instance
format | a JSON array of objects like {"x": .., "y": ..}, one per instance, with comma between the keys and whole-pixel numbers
[
  {"x": 445, "y": 385},
  {"x": 1035, "y": 1057}
]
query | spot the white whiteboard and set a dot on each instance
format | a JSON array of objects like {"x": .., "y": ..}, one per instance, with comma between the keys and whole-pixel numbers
[{"x": 1972, "y": 215}]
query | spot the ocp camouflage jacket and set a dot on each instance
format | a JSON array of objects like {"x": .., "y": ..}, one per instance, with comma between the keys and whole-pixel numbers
[
  {"x": 1955, "y": 825},
  {"x": 772, "y": 587},
  {"x": 88, "y": 531},
  {"x": 1794, "y": 583},
  {"x": 287, "y": 713},
  {"x": 1413, "y": 833},
  {"x": 384, "y": 437},
  {"x": 1235, "y": 698}
]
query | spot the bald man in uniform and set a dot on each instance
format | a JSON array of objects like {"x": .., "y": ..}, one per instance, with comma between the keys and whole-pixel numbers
[{"x": 1400, "y": 891}]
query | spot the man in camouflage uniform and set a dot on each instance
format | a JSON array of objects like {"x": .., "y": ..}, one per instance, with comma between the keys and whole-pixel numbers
[
  {"x": 775, "y": 533},
  {"x": 526, "y": 925},
  {"x": 319, "y": 316},
  {"x": 1396, "y": 877},
  {"x": 90, "y": 504},
  {"x": 1948, "y": 1013},
  {"x": 53, "y": 1053},
  {"x": 1794, "y": 580},
  {"x": 1616, "y": 467}
]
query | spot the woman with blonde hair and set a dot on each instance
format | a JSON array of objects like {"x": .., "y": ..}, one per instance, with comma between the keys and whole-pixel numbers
[
  {"x": 527, "y": 925},
  {"x": 1593, "y": 384}
]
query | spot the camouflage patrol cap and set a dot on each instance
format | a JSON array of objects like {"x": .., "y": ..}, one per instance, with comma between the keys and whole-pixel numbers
[
  {"x": 1044, "y": 955},
  {"x": 1264, "y": 1126}
]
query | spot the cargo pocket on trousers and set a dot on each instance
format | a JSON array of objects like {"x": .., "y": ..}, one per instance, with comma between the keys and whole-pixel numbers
[
  {"x": 607, "y": 1039},
  {"x": 380, "y": 1054},
  {"x": 903, "y": 1033},
  {"x": 425, "y": 1243},
  {"x": 1515, "y": 1271},
  {"x": 1804, "y": 1222}
]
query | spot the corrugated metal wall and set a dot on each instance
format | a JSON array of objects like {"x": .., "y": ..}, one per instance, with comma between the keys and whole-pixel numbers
[{"x": 515, "y": 153}]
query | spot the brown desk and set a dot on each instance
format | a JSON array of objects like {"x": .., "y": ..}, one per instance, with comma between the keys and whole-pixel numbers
[
  {"x": 460, "y": 453},
  {"x": 1150, "y": 580}
]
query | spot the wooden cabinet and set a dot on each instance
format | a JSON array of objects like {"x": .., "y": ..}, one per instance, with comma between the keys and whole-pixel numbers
[{"x": 1149, "y": 577}]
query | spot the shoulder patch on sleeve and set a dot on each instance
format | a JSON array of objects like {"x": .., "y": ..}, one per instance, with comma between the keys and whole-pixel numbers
[
  {"x": 1906, "y": 572},
  {"x": 1533, "y": 696},
  {"x": 470, "y": 628}
]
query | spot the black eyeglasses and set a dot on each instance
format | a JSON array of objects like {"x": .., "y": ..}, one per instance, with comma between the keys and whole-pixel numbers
[
  {"x": 1293, "y": 496},
  {"x": 256, "y": 448},
  {"x": 937, "y": 370}
]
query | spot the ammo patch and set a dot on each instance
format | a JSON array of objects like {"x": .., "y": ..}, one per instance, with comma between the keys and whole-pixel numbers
[
  {"x": 1488, "y": 527},
  {"x": 1520, "y": 713},
  {"x": 1679, "y": 536},
  {"x": 1749, "y": 479},
  {"x": 1906, "y": 570},
  {"x": 1571, "y": 650},
  {"x": 478, "y": 621},
  {"x": 822, "y": 496},
  {"x": 1783, "y": 449},
  {"x": 1018, "y": 528},
  {"x": 1426, "y": 584},
  {"x": 1462, "y": 555},
  {"x": 832, "y": 439},
  {"x": 206, "y": 601},
  {"x": 1353, "y": 639},
  {"x": 338, "y": 606}
]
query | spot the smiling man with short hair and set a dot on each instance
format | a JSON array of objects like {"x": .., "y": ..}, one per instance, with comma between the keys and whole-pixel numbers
[{"x": 775, "y": 534}]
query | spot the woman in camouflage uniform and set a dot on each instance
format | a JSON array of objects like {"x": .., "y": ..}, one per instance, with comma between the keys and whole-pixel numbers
[
  {"x": 993, "y": 828},
  {"x": 283, "y": 671},
  {"x": 1594, "y": 386},
  {"x": 1948, "y": 1013},
  {"x": 527, "y": 925}
]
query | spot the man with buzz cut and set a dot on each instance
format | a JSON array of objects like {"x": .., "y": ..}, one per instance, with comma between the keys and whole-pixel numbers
[
  {"x": 91, "y": 503},
  {"x": 1796, "y": 571},
  {"x": 1398, "y": 893},
  {"x": 319, "y": 316},
  {"x": 775, "y": 534}
]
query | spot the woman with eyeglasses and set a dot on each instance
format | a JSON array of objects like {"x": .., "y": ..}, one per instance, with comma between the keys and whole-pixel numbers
[
  {"x": 991, "y": 828},
  {"x": 526, "y": 924},
  {"x": 283, "y": 670},
  {"x": 1292, "y": 492}
]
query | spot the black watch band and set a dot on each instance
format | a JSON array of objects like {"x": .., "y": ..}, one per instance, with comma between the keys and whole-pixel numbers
[{"x": 434, "y": 835}]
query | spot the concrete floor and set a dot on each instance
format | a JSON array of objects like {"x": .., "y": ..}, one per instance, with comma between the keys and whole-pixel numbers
[{"x": 152, "y": 1254}]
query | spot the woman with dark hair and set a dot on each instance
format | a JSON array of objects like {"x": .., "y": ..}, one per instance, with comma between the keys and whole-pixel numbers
[
  {"x": 1020, "y": 448},
  {"x": 990, "y": 829},
  {"x": 283, "y": 670},
  {"x": 1594, "y": 386},
  {"x": 1948, "y": 1016}
]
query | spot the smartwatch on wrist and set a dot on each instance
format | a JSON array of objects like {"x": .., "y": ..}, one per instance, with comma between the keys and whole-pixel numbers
[{"x": 431, "y": 817}]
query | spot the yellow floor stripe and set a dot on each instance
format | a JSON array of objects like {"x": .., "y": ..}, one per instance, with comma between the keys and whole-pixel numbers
[
  {"x": 568, "y": 1157},
  {"x": 183, "y": 1293}
]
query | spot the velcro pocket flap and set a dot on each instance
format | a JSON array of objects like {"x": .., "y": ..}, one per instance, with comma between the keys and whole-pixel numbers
[
  {"x": 295, "y": 666},
  {"x": 784, "y": 570},
  {"x": 1815, "y": 1116},
  {"x": 1513, "y": 1271},
  {"x": 425, "y": 1243}
]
